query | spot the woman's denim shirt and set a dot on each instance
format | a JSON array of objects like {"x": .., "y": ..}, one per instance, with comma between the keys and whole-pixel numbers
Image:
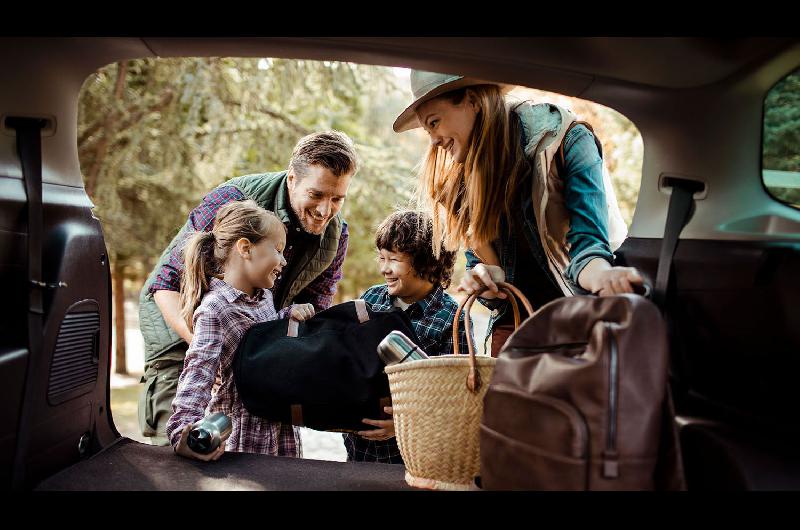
[{"x": 585, "y": 198}]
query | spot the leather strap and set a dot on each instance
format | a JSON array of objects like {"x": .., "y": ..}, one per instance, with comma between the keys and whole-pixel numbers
[
  {"x": 361, "y": 310},
  {"x": 474, "y": 377}
]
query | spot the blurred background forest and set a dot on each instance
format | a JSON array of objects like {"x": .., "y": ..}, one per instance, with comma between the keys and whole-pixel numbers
[
  {"x": 155, "y": 135},
  {"x": 781, "y": 156}
]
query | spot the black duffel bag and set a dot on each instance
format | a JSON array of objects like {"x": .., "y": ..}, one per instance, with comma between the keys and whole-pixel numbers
[{"x": 324, "y": 373}]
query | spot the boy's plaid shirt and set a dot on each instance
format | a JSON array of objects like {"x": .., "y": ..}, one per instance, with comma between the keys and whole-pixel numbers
[{"x": 432, "y": 318}]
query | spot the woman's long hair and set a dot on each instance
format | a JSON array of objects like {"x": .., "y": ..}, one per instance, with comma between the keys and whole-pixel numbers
[
  {"x": 467, "y": 199},
  {"x": 205, "y": 253}
]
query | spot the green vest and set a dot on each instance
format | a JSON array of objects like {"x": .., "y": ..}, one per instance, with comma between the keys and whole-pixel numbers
[{"x": 270, "y": 192}]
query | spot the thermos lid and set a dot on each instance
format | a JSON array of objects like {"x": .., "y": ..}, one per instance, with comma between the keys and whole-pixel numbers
[{"x": 199, "y": 441}]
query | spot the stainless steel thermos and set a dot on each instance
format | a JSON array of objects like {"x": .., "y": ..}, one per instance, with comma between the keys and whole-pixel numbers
[
  {"x": 397, "y": 348},
  {"x": 205, "y": 437}
]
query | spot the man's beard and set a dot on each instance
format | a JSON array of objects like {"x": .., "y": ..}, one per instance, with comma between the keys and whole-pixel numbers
[{"x": 308, "y": 229}]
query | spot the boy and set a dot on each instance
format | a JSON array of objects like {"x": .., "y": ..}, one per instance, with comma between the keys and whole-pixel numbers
[{"x": 415, "y": 283}]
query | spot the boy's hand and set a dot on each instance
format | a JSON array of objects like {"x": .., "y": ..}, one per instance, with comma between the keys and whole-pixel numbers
[
  {"x": 301, "y": 312},
  {"x": 183, "y": 449},
  {"x": 385, "y": 432}
]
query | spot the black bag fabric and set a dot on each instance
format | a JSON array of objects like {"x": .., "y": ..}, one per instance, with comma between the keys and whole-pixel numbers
[{"x": 328, "y": 377}]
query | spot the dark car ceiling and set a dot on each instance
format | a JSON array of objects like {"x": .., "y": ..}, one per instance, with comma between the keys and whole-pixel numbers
[
  {"x": 570, "y": 64},
  {"x": 646, "y": 79}
]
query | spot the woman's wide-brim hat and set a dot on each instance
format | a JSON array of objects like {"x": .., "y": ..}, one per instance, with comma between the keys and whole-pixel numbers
[{"x": 427, "y": 85}]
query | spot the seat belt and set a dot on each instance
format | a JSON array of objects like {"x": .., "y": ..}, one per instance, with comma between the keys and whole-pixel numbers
[
  {"x": 678, "y": 215},
  {"x": 29, "y": 149},
  {"x": 670, "y": 474}
]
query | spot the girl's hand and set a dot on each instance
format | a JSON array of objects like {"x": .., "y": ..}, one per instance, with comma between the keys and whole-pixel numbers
[
  {"x": 482, "y": 276},
  {"x": 385, "y": 432},
  {"x": 301, "y": 312},
  {"x": 183, "y": 449}
]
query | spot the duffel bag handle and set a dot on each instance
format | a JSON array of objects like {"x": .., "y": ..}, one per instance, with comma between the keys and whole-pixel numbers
[
  {"x": 474, "y": 378},
  {"x": 361, "y": 314}
]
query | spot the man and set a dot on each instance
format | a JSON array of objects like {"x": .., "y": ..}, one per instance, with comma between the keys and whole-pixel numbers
[{"x": 307, "y": 198}]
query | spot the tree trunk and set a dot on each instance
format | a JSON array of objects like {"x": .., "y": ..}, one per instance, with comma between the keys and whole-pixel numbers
[
  {"x": 109, "y": 129},
  {"x": 118, "y": 293}
]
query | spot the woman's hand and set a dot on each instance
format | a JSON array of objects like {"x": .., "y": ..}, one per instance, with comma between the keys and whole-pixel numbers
[
  {"x": 480, "y": 277},
  {"x": 301, "y": 312},
  {"x": 599, "y": 277},
  {"x": 385, "y": 430},
  {"x": 183, "y": 449}
]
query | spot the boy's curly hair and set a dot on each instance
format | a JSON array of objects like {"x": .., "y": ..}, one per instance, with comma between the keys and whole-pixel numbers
[{"x": 411, "y": 232}]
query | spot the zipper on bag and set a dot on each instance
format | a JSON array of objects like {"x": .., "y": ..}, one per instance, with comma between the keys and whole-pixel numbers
[{"x": 610, "y": 455}]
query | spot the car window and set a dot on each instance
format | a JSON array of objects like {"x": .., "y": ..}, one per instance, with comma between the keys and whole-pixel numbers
[
  {"x": 155, "y": 135},
  {"x": 781, "y": 148}
]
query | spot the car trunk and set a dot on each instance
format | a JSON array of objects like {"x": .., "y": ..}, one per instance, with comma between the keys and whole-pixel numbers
[{"x": 733, "y": 313}]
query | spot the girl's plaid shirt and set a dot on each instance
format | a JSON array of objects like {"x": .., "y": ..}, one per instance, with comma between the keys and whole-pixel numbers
[{"x": 221, "y": 320}]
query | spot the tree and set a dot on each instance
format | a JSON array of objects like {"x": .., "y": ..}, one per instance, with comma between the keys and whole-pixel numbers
[
  {"x": 782, "y": 133},
  {"x": 155, "y": 135}
]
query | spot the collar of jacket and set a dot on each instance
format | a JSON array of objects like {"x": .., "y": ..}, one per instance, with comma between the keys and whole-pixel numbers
[
  {"x": 431, "y": 302},
  {"x": 231, "y": 293}
]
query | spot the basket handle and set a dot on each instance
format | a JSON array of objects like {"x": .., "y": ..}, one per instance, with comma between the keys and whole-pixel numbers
[{"x": 474, "y": 378}]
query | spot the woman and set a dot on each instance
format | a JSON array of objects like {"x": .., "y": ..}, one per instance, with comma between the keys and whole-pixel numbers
[{"x": 522, "y": 187}]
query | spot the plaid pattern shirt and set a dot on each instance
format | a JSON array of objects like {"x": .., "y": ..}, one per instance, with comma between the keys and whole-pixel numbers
[
  {"x": 432, "y": 318},
  {"x": 220, "y": 322},
  {"x": 319, "y": 292}
]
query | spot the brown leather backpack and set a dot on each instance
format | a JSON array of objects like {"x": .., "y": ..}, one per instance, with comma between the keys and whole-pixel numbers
[{"x": 579, "y": 400}]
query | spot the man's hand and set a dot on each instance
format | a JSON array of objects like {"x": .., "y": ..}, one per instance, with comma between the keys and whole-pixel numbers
[
  {"x": 301, "y": 312},
  {"x": 482, "y": 276},
  {"x": 385, "y": 430}
]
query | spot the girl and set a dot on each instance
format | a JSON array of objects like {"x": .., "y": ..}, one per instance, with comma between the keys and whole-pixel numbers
[
  {"x": 522, "y": 186},
  {"x": 224, "y": 291}
]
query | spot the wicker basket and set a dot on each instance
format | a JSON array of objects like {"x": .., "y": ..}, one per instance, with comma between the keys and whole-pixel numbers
[{"x": 437, "y": 406}]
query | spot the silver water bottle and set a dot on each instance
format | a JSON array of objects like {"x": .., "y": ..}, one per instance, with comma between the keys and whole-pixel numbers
[
  {"x": 206, "y": 436},
  {"x": 397, "y": 348}
]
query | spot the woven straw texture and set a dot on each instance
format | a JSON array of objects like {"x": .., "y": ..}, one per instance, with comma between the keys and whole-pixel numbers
[{"x": 437, "y": 418}]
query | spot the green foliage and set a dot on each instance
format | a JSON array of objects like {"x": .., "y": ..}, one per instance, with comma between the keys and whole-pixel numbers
[
  {"x": 155, "y": 135},
  {"x": 782, "y": 133},
  {"x": 155, "y": 140},
  {"x": 782, "y": 125}
]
